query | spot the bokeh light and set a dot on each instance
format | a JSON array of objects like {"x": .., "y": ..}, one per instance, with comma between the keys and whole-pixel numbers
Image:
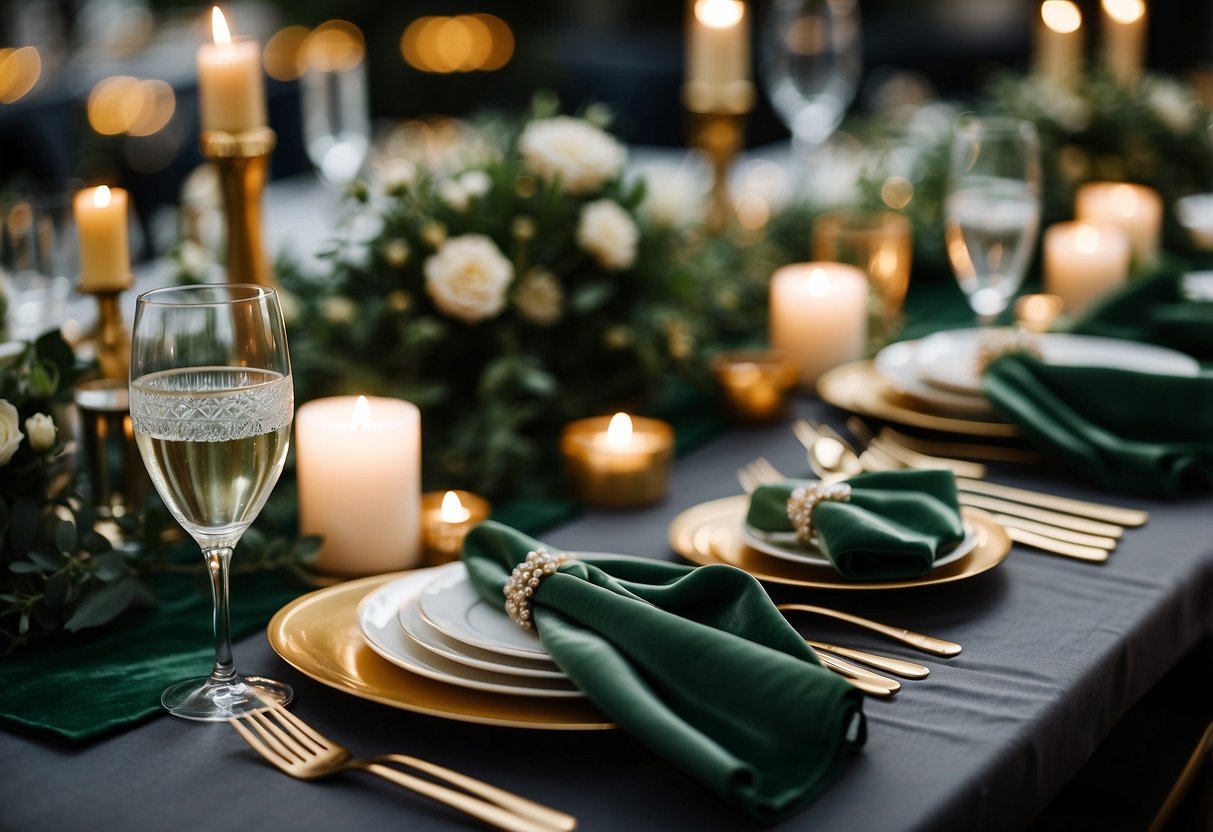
[
  {"x": 333, "y": 46},
  {"x": 282, "y": 55},
  {"x": 123, "y": 104},
  {"x": 464, "y": 43},
  {"x": 20, "y": 70}
]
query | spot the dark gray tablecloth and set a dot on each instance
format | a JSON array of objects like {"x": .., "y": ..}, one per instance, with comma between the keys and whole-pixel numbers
[{"x": 1055, "y": 651}]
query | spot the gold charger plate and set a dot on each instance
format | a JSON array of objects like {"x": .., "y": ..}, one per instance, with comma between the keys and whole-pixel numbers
[
  {"x": 318, "y": 635},
  {"x": 858, "y": 387},
  {"x": 711, "y": 533}
]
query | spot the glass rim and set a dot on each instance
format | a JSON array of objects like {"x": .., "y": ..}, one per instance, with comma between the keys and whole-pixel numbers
[
  {"x": 255, "y": 291},
  {"x": 998, "y": 123}
]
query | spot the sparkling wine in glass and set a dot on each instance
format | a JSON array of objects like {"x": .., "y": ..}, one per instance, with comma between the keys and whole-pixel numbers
[
  {"x": 211, "y": 403},
  {"x": 992, "y": 209}
]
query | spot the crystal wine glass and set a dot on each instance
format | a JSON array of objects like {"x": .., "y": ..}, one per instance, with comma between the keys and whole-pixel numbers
[
  {"x": 336, "y": 120},
  {"x": 992, "y": 208},
  {"x": 811, "y": 61},
  {"x": 211, "y": 401}
]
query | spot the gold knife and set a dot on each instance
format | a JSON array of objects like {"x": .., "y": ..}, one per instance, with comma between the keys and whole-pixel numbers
[
  {"x": 925, "y": 643},
  {"x": 865, "y": 680},
  {"x": 1042, "y": 515},
  {"x": 1056, "y": 547},
  {"x": 1068, "y": 505},
  {"x": 1057, "y": 533},
  {"x": 910, "y": 670}
]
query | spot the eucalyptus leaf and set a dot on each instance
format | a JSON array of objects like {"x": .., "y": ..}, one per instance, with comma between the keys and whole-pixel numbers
[
  {"x": 66, "y": 538},
  {"x": 102, "y": 605},
  {"x": 591, "y": 296},
  {"x": 109, "y": 566},
  {"x": 24, "y": 567},
  {"x": 48, "y": 560}
]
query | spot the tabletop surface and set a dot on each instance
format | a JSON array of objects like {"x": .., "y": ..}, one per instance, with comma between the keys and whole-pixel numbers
[{"x": 1055, "y": 651}]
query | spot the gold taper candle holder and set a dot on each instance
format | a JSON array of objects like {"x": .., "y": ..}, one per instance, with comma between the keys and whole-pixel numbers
[
  {"x": 755, "y": 385},
  {"x": 110, "y": 340},
  {"x": 441, "y": 536},
  {"x": 243, "y": 163},
  {"x": 617, "y": 474},
  {"x": 716, "y": 125}
]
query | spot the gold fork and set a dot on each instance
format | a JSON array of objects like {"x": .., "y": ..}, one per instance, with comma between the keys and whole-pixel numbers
[{"x": 295, "y": 748}]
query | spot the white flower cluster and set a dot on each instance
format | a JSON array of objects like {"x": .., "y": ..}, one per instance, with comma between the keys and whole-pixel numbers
[
  {"x": 40, "y": 428},
  {"x": 609, "y": 234},
  {"x": 578, "y": 154}
]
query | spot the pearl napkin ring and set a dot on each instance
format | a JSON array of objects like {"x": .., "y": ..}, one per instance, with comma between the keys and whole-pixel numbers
[
  {"x": 804, "y": 501},
  {"x": 520, "y": 589}
]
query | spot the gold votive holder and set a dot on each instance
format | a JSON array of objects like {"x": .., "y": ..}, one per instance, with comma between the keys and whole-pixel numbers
[
  {"x": 443, "y": 528},
  {"x": 242, "y": 160},
  {"x": 1037, "y": 313},
  {"x": 755, "y": 385},
  {"x": 117, "y": 480},
  {"x": 617, "y": 468}
]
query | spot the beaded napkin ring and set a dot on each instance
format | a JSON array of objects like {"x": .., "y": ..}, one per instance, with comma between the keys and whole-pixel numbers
[
  {"x": 999, "y": 342},
  {"x": 520, "y": 589},
  {"x": 805, "y": 499}
]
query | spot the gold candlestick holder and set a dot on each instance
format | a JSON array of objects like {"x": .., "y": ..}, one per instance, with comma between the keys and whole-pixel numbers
[
  {"x": 110, "y": 340},
  {"x": 243, "y": 163},
  {"x": 716, "y": 127}
]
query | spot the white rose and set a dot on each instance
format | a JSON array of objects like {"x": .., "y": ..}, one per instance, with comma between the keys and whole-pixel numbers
[
  {"x": 539, "y": 297},
  {"x": 453, "y": 194},
  {"x": 41, "y": 431},
  {"x": 10, "y": 436},
  {"x": 467, "y": 278},
  {"x": 583, "y": 157},
  {"x": 673, "y": 198},
  {"x": 608, "y": 233},
  {"x": 397, "y": 175},
  {"x": 476, "y": 183}
]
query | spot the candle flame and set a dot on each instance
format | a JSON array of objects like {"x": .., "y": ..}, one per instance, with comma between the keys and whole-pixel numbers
[
  {"x": 619, "y": 431},
  {"x": 719, "y": 14},
  {"x": 1124, "y": 11},
  {"x": 453, "y": 511},
  {"x": 1061, "y": 16},
  {"x": 819, "y": 283},
  {"x": 1086, "y": 239},
  {"x": 101, "y": 196},
  {"x": 362, "y": 414},
  {"x": 1124, "y": 200},
  {"x": 219, "y": 28}
]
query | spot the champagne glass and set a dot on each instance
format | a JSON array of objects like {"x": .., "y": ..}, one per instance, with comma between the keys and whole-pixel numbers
[
  {"x": 336, "y": 120},
  {"x": 811, "y": 61},
  {"x": 992, "y": 209},
  {"x": 211, "y": 403}
]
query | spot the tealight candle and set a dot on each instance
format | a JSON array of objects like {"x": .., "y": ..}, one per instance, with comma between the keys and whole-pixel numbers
[
  {"x": 446, "y": 519},
  {"x": 1134, "y": 209},
  {"x": 1083, "y": 262},
  {"x": 755, "y": 385},
  {"x": 359, "y": 472},
  {"x": 617, "y": 461},
  {"x": 105, "y": 252},
  {"x": 1036, "y": 313},
  {"x": 718, "y": 55},
  {"x": 231, "y": 88},
  {"x": 1058, "y": 53},
  {"x": 819, "y": 315},
  {"x": 1124, "y": 38}
]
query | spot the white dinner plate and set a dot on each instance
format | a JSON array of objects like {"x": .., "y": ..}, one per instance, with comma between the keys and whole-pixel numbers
[
  {"x": 948, "y": 359},
  {"x": 450, "y": 604},
  {"x": 421, "y": 631},
  {"x": 785, "y": 547},
  {"x": 899, "y": 367},
  {"x": 377, "y": 620}
]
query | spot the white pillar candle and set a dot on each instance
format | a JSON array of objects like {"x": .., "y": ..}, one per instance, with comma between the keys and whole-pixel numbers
[
  {"x": 1134, "y": 209},
  {"x": 1083, "y": 262},
  {"x": 359, "y": 473},
  {"x": 819, "y": 315},
  {"x": 718, "y": 42},
  {"x": 105, "y": 251},
  {"x": 1058, "y": 53},
  {"x": 231, "y": 88},
  {"x": 1124, "y": 38}
]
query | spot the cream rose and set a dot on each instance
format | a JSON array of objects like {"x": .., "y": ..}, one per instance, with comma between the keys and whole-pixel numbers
[
  {"x": 583, "y": 157},
  {"x": 539, "y": 297},
  {"x": 10, "y": 435},
  {"x": 41, "y": 431},
  {"x": 609, "y": 234},
  {"x": 468, "y": 277}
]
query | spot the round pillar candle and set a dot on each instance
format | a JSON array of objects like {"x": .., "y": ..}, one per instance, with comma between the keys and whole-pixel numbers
[
  {"x": 1134, "y": 209},
  {"x": 1124, "y": 38},
  {"x": 617, "y": 461},
  {"x": 231, "y": 88},
  {"x": 1083, "y": 262},
  {"x": 105, "y": 251},
  {"x": 1057, "y": 56},
  {"x": 359, "y": 473},
  {"x": 819, "y": 316},
  {"x": 718, "y": 73}
]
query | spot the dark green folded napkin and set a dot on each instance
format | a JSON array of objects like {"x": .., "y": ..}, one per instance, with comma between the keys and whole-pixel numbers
[
  {"x": 1154, "y": 310},
  {"x": 894, "y": 526},
  {"x": 695, "y": 663},
  {"x": 1123, "y": 430}
]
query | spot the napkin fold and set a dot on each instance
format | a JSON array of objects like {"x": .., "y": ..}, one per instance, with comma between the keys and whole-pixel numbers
[
  {"x": 1124, "y": 430},
  {"x": 695, "y": 663},
  {"x": 1154, "y": 310},
  {"x": 894, "y": 526}
]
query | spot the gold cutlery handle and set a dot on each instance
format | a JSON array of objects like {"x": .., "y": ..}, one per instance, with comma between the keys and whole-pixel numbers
[
  {"x": 928, "y": 644},
  {"x": 1083, "y": 508},
  {"x": 1057, "y": 533},
  {"x": 865, "y": 680},
  {"x": 553, "y": 819},
  {"x": 970, "y": 450},
  {"x": 1041, "y": 515},
  {"x": 909, "y": 670},
  {"x": 914, "y": 459},
  {"x": 473, "y": 806},
  {"x": 1056, "y": 547}
]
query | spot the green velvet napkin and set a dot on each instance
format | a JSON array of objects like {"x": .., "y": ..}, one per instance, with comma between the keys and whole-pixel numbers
[
  {"x": 1154, "y": 310},
  {"x": 894, "y": 526},
  {"x": 1127, "y": 431},
  {"x": 695, "y": 663}
]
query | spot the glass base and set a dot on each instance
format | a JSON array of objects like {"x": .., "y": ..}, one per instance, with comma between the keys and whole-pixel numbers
[{"x": 205, "y": 700}]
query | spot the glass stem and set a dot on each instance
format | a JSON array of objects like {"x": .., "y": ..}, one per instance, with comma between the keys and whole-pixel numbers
[{"x": 217, "y": 563}]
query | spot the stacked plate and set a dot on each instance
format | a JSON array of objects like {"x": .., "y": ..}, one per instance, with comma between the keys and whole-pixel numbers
[{"x": 433, "y": 623}]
